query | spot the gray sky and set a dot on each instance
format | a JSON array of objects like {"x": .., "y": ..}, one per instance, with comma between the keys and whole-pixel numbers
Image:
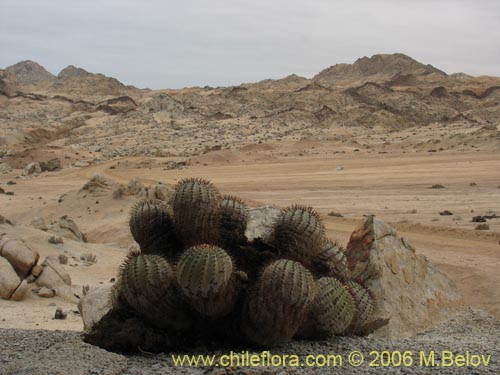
[{"x": 164, "y": 43}]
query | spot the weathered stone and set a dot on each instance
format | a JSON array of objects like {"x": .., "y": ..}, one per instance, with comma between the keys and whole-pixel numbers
[
  {"x": 32, "y": 168},
  {"x": 136, "y": 187},
  {"x": 94, "y": 305},
  {"x": 21, "y": 291},
  {"x": 259, "y": 220},
  {"x": 39, "y": 223},
  {"x": 54, "y": 263},
  {"x": 46, "y": 292},
  {"x": 37, "y": 270},
  {"x": 9, "y": 281},
  {"x": 55, "y": 277},
  {"x": 408, "y": 290},
  {"x": 51, "y": 165},
  {"x": 67, "y": 228},
  {"x": 161, "y": 191},
  {"x": 60, "y": 314},
  {"x": 20, "y": 255}
]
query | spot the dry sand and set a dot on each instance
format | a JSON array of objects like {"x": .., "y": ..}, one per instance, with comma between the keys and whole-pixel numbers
[{"x": 395, "y": 187}]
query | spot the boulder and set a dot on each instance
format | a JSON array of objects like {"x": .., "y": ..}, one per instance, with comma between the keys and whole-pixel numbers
[
  {"x": 39, "y": 223},
  {"x": 53, "y": 262},
  {"x": 51, "y": 165},
  {"x": 136, "y": 187},
  {"x": 67, "y": 228},
  {"x": 21, "y": 291},
  {"x": 259, "y": 220},
  {"x": 9, "y": 281},
  {"x": 97, "y": 186},
  {"x": 160, "y": 191},
  {"x": 94, "y": 305},
  {"x": 411, "y": 293},
  {"x": 32, "y": 168},
  {"x": 19, "y": 254},
  {"x": 55, "y": 277},
  {"x": 46, "y": 292}
]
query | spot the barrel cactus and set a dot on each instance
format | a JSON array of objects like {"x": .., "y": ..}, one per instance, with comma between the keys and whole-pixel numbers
[
  {"x": 152, "y": 227},
  {"x": 297, "y": 233},
  {"x": 279, "y": 303},
  {"x": 206, "y": 276},
  {"x": 198, "y": 280},
  {"x": 195, "y": 203}
]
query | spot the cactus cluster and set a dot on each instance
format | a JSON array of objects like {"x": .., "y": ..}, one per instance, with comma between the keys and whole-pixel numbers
[{"x": 198, "y": 280}]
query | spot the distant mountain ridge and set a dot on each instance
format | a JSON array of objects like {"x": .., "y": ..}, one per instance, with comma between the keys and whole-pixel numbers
[
  {"x": 30, "y": 76},
  {"x": 29, "y": 72},
  {"x": 377, "y": 67}
]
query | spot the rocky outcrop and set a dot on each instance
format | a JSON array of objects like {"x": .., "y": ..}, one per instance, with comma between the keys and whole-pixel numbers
[
  {"x": 411, "y": 293},
  {"x": 94, "y": 305},
  {"x": 29, "y": 72},
  {"x": 21, "y": 256},
  {"x": 9, "y": 281},
  {"x": 32, "y": 168},
  {"x": 66, "y": 227},
  {"x": 50, "y": 165},
  {"x": 55, "y": 278},
  {"x": 259, "y": 219}
]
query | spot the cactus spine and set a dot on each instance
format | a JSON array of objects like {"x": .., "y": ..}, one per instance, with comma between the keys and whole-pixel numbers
[
  {"x": 279, "y": 303},
  {"x": 146, "y": 284},
  {"x": 332, "y": 311},
  {"x": 152, "y": 228},
  {"x": 233, "y": 220},
  {"x": 196, "y": 203},
  {"x": 364, "y": 305},
  {"x": 297, "y": 233},
  {"x": 331, "y": 261},
  {"x": 205, "y": 275}
]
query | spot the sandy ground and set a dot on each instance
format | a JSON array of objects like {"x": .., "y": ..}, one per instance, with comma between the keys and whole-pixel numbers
[{"x": 395, "y": 187}]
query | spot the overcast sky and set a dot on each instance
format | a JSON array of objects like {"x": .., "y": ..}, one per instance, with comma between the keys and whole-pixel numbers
[{"x": 164, "y": 43}]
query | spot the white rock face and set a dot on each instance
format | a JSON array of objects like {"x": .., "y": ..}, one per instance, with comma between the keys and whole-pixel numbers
[
  {"x": 409, "y": 291},
  {"x": 259, "y": 220}
]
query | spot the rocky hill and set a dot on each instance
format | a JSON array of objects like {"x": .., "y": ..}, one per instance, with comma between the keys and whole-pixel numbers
[
  {"x": 377, "y": 68},
  {"x": 373, "y": 96},
  {"x": 28, "y": 72}
]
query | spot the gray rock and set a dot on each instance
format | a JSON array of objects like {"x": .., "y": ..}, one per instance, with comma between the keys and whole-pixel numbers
[
  {"x": 19, "y": 254},
  {"x": 51, "y": 165},
  {"x": 136, "y": 187},
  {"x": 39, "y": 223},
  {"x": 31, "y": 169},
  {"x": 37, "y": 270},
  {"x": 67, "y": 228},
  {"x": 46, "y": 292},
  {"x": 9, "y": 281},
  {"x": 259, "y": 220},
  {"x": 410, "y": 292},
  {"x": 55, "y": 277},
  {"x": 94, "y": 305},
  {"x": 53, "y": 262}
]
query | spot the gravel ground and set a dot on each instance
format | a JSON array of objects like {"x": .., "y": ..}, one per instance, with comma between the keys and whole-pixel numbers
[{"x": 62, "y": 352}]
